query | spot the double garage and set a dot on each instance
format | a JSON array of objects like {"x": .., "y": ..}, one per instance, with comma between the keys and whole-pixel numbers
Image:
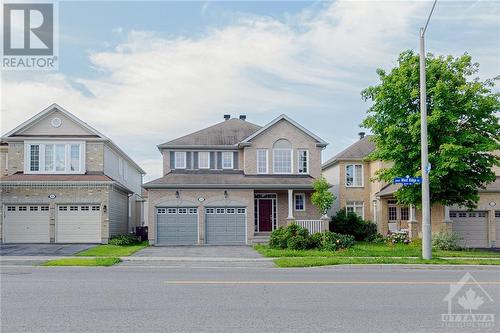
[
  {"x": 182, "y": 225},
  {"x": 472, "y": 227},
  {"x": 74, "y": 223}
]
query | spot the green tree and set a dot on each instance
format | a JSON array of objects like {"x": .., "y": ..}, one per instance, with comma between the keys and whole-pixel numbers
[
  {"x": 322, "y": 198},
  {"x": 463, "y": 127}
]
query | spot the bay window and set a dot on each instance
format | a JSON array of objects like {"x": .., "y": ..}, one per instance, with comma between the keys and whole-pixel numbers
[
  {"x": 354, "y": 175},
  {"x": 50, "y": 157}
]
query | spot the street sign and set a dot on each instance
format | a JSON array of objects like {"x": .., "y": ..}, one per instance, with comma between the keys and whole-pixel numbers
[{"x": 407, "y": 181}]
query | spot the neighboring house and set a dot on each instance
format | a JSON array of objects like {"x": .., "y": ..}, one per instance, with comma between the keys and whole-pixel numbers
[
  {"x": 64, "y": 182},
  {"x": 235, "y": 182},
  {"x": 351, "y": 175}
]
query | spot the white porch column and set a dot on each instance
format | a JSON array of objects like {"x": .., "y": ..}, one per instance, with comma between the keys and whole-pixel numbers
[
  {"x": 412, "y": 213},
  {"x": 412, "y": 223},
  {"x": 290, "y": 205}
]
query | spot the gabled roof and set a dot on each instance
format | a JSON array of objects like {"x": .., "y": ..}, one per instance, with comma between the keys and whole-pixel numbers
[
  {"x": 55, "y": 107},
  {"x": 227, "y": 133},
  {"x": 357, "y": 151},
  {"x": 320, "y": 142}
]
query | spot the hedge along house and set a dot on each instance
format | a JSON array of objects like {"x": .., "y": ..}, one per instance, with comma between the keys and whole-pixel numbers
[
  {"x": 235, "y": 182},
  {"x": 351, "y": 174},
  {"x": 64, "y": 182}
]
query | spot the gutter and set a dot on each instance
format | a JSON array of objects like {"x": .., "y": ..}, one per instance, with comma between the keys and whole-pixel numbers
[{"x": 229, "y": 186}]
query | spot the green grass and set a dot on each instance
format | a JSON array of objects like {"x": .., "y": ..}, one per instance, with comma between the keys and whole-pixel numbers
[
  {"x": 82, "y": 262},
  {"x": 310, "y": 262},
  {"x": 366, "y": 249},
  {"x": 112, "y": 250}
]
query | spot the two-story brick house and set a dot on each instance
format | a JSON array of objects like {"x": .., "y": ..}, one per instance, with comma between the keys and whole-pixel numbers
[
  {"x": 351, "y": 175},
  {"x": 233, "y": 182},
  {"x": 64, "y": 182}
]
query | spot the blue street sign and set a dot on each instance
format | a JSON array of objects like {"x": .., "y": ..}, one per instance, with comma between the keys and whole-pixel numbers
[{"x": 406, "y": 181}]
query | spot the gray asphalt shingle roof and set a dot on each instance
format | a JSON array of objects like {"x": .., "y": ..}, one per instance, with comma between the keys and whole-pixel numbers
[
  {"x": 357, "y": 151},
  {"x": 228, "y": 179},
  {"x": 227, "y": 133}
]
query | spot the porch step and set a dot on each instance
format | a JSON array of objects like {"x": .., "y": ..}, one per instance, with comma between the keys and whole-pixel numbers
[{"x": 261, "y": 238}]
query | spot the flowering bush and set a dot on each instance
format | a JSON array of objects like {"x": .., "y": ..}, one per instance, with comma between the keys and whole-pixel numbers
[
  {"x": 447, "y": 241},
  {"x": 398, "y": 238},
  {"x": 330, "y": 241}
]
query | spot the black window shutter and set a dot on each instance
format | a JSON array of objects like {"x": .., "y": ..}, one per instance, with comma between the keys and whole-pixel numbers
[
  {"x": 212, "y": 160},
  {"x": 235, "y": 160},
  {"x": 195, "y": 160},
  {"x": 172, "y": 160}
]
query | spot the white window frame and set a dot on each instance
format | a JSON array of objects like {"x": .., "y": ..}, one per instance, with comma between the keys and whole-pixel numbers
[
  {"x": 209, "y": 210},
  {"x": 299, "y": 162},
  {"x": 230, "y": 210},
  {"x": 231, "y": 155},
  {"x": 291, "y": 161},
  {"x": 182, "y": 211},
  {"x": 266, "y": 151},
  {"x": 354, "y": 205},
  {"x": 180, "y": 156},
  {"x": 161, "y": 211},
  {"x": 303, "y": 195},
  {"x": 354, "y": 175},
  {"x": 207, "y": 153},
  {"x": 67, "y": 157}
]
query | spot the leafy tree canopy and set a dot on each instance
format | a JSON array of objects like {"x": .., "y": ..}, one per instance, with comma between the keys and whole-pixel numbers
[
  {"x": 463, "y": 127},
  {"x": 322, "y": 198}
]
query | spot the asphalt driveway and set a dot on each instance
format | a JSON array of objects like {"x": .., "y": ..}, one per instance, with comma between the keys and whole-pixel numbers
[
  {"x": 243, "y": 252},
  {"x": 42, "y": 249}
]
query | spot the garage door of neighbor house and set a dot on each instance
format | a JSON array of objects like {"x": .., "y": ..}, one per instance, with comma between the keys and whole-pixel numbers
[
  {"x": 26, "y": 224},
  {"x": 472, "y": 227},
  {"x": 225, "y": 225},
  {"x": 497, "y": 228},
  {"x": 177, "y": 226},
  {"x": 78, "y": 224}
]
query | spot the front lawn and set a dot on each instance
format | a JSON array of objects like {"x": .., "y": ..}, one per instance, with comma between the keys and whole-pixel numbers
[
  {"x": 112, "y": 250},
  {"x": 322, "y": 261},
  {"x": 366, "y": 249},
  {"x": 83, "y": 262}
]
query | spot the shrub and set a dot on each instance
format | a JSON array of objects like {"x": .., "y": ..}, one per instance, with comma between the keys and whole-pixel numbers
[
  {"x": 398, "y": 238},
  {"x": 377, "y": 239},
  {"x": 297, "y": 242},
  {"x": 278, "y": 240},
  {"x": 292, "y": 236},
  {"x": 123, "y": 240},
  {"x": 351, "y": 224},
  {"x": 447, "y": 241},
  {"x": 330, "y": 241}
]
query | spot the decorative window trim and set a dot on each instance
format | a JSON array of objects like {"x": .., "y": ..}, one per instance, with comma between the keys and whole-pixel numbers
[
  {"x": 193, "y": 210},
  {"x": 230, "y": 210},
  {"x": 231, "y": 156},
  {"x": 204, "y": 153},
  {"x": 303, "y": 202},
  {"x": 180, "y": 156},
  {"x": 210, "y": 210},
  {"x": 182, "y": 211},
  {"x": 275, "y": 150},
  {"x": 241, "y": 211},
  {"x": 299, "y": 162},
  {"x": 96, "y": 208},
  {"x": 266, "y": 151},
  {"x": 220, "y": 211},
  {"x": 161, "y": 211},
  {"x": 171, "y": 211},
  {"x": 354, "y": 175},
  {"x": 42, "y": 167}
]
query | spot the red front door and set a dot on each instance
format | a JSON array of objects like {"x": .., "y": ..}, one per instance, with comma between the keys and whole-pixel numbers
[{"x": 265, "y": 215}]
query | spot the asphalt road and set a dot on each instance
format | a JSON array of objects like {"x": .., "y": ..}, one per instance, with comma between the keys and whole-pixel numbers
[{"x": 236, "y": 299}]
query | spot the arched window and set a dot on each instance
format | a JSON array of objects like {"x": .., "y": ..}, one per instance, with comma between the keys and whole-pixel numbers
[{"x": 282, "y": 156}]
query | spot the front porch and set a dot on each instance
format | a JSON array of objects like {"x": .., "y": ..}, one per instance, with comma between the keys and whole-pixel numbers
[{"x": 275, "y": 208}]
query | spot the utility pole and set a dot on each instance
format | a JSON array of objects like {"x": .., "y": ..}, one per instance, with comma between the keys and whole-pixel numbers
[{"x": 425, "y": 167}]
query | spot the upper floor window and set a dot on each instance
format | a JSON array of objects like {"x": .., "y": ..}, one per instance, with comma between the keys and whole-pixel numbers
[
  {"x": 227, "y": 160},
  {"x": 204, "y": 160},
  {"x": 303, "y": 160},
  {"x": 48, "y": 157},
  {"x": 262, "y": 161},
  {"x": 354, "y": 175},
  {"x": 282, "y": 156},
  {"x": 300, "y": 202},
  {"x": 180, "y": 160}
]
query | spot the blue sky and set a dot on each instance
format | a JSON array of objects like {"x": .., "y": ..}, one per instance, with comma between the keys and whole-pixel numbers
[{"x": 147, "y": 72}]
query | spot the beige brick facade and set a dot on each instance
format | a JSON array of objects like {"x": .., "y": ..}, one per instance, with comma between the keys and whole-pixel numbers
[{"x": 94, "y": 161}]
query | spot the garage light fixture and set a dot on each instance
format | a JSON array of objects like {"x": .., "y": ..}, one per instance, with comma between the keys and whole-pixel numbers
[
  {"x": 177, "y": 195},
  {"x": 225, "y": 194}
]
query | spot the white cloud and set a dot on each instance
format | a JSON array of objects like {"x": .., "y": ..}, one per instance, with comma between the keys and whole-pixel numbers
[{"x": 153, "y": 89}]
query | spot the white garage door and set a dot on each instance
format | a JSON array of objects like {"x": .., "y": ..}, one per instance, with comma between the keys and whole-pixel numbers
[
  {"x": 472, "y": 227},
  {"x": 26, "y": 224},
  {"x": 78, "y": 224},
  {"x": 176, "y": 226}
]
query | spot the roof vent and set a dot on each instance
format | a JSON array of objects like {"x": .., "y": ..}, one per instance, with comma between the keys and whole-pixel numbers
[
  {"x": 361, "y": 135},
  {"x": 243, "y": 117},
  {"x": 227, "y": 116}
]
